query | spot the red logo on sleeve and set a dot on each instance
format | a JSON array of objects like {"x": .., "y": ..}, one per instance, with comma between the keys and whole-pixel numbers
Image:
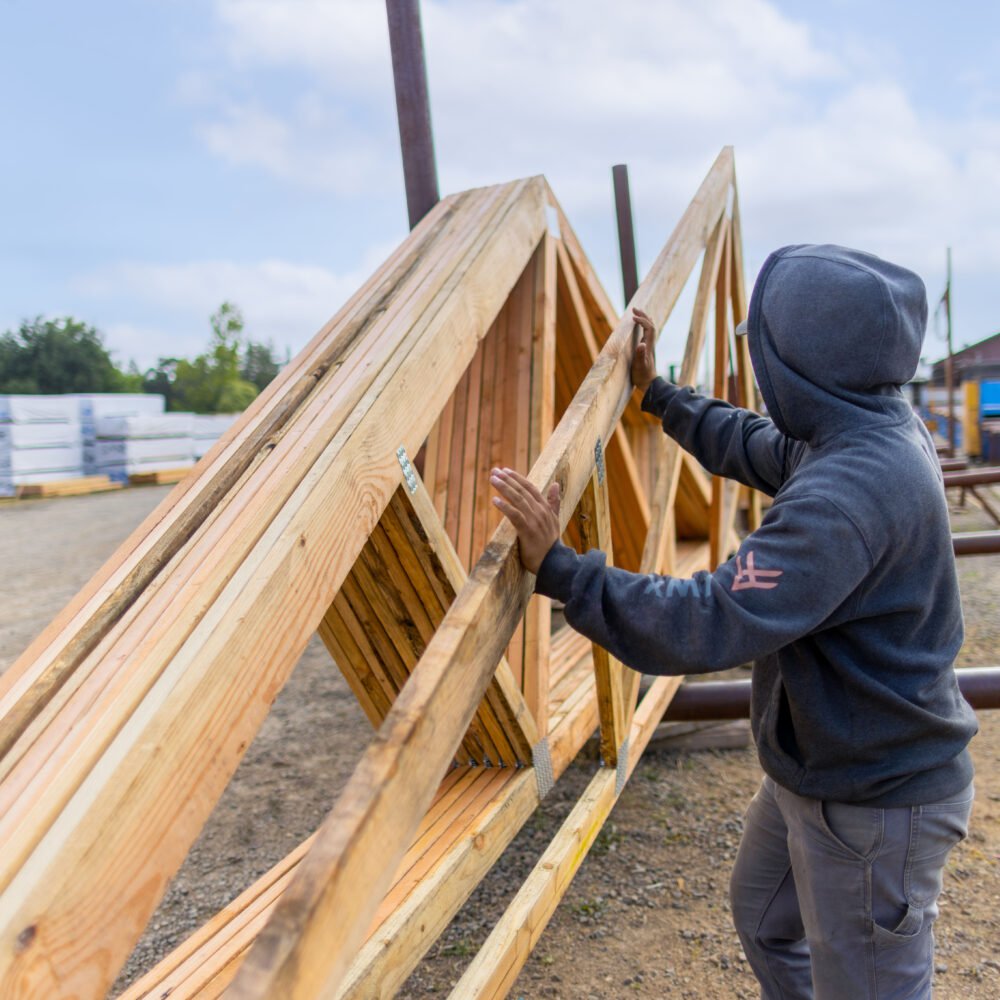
[{"x": 752, "y": 578}]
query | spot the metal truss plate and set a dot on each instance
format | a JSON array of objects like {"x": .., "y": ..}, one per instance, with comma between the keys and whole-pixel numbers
[
  {"x": 541, "y": 759},
  {"x": 621, "y": 769},
  {"x": 408, "y": 471}
]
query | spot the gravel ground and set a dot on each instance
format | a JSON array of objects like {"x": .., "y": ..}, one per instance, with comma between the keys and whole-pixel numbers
[{"x": 647, "y": 914}]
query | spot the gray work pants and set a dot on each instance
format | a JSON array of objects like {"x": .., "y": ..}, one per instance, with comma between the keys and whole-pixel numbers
[{"x": 837, "y": 902}]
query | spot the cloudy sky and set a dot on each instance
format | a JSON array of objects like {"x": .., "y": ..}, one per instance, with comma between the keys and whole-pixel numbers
[{"x": 161, "y": 156}]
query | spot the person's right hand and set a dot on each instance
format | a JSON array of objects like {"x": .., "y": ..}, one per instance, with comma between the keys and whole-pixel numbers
[{"x": 644, "y": 359}]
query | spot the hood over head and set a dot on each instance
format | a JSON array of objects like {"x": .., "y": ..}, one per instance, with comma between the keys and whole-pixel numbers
[{"x": 833, "y": 333}]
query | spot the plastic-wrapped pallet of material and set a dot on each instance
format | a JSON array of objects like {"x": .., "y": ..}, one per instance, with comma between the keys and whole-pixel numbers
[
  {"x": 44, "y": 465},
  {"x": 40, "y": 440},
  {"x": 208, "y": 428},
  {"x": 17, "y": 409},
  {"x": 104, "y": 405},
  {"x": 31, "y": 437},
  {"x": 96, "y": 405},
  {"x": 126, "y": 446}
]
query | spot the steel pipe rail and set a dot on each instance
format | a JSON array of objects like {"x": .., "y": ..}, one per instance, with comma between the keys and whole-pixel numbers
[
  {"x": 710, "y": 700},
  {"x": 973, "y": 477},
  {"x": 976, "y": 543}
]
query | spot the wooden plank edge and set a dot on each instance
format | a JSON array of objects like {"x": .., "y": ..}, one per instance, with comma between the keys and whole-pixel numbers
[{"x": 495, "y": 968}]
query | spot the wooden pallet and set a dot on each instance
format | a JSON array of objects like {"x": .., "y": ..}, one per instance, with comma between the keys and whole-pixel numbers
[
  {"x": 485, "y": 339},
  {"x": 67, "y": 487},
  {"x": 164, "y": 477}
]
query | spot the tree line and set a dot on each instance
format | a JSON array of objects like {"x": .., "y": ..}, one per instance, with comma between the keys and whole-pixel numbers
[{"x": 66, "y": 355}]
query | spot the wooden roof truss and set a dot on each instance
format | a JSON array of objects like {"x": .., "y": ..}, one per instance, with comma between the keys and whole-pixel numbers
[{"x": 353, "y": 499}]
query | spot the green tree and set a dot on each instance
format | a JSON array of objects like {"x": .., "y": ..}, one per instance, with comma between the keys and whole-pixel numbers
[
  {"x": 212, "y": 382},
  {"x": 160, "y": 380},
  {"x": 60, "y": 355},
  {"x": 259, "y": 364}
]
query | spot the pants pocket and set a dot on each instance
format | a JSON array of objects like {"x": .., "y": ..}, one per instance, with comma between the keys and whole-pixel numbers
[
  {"x": 904, "y": 957},
  {"x": 935, "y": 832},
  {"x": 856, "y": 830}
]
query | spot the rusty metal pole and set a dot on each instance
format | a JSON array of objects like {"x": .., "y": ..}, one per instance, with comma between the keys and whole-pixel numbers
[
  {"x": 413, "y": 108},
  {"x": 949, "y": 369},
  {"x": 976, "y": 543},
  {"x": 711, "y": 700},
  {"x": 987, "y": 475},
  {"x": 626, "y": 234}
]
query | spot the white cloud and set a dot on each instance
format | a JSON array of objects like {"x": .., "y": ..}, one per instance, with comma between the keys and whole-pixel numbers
[
  {"x": 829, "y": 145},
  {"x": 516, "y": 87},
  {"x": 281, "y": 301},
  {"x": 312, "y": 145}
]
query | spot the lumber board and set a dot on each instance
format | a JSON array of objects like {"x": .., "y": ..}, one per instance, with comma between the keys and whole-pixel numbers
[
  {"x": 692, "y": 556},
  {"x": 567, "y": 646},
  {"x": 542, "y": 387},
  {"x": 496, "y": 966},
  {"x": 578, "y": 349},
  {"x": 693, "y": 499},
  {"x": 603, "y": 315},
  {"x": 190, "y": 730},
  {"x": 670, "y": 459},
  {"x": 493, "y": 971},
  {"x": 717, "y": 529},
  {"x": 305, "y": 946},
  {"x": 744, "y": 366},
  {"x": 594, "y": 517}
]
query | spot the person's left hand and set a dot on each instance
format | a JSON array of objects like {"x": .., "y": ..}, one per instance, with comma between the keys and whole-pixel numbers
[
  {"x": 536, "y": 517},
  {"x": 644, "y": 359}
]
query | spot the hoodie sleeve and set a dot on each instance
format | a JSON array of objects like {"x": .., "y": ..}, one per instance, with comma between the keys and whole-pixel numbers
[
  {"x": 806, "y": 559},
  {"x": 729, "y": 441}
]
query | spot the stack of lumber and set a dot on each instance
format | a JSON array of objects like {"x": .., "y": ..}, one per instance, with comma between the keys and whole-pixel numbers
[
  {"x": 350, "y": 500},
  {"x": 40, "y": 440}
]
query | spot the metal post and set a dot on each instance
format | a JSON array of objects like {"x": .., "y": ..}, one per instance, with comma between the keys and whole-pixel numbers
[
  {"x": 949, "y": 369},
  {"x": 413, "y": 109},
  {"x": 706, "y": 700},
  {"x": 626, "y": 235},
  {"x": 975, "y": 543}
]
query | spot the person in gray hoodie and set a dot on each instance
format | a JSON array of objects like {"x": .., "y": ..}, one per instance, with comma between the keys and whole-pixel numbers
[{"x": 845, "y": 600}]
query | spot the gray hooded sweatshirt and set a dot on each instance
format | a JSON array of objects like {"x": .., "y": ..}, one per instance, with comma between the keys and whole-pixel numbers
[{"x": 845, "y": 598}]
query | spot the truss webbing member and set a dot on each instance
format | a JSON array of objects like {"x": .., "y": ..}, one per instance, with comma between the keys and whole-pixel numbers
[{"x": 846, "y": 601}]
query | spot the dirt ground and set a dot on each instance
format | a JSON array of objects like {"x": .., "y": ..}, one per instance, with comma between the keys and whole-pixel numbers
[{"x": 647, "y": 914}]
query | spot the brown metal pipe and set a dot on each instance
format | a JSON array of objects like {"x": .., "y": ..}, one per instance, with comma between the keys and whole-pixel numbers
[
  {"x": 980, "y": 686},
  {"x": 973, "y": 477},
  {"x": 706, "y": 700},
  {"x": 976, "y": 543},
  {"x": 626, "y": 234},
  {"x": 709, "y": 700},
  {"x": 413, "y": 107},
  {"x": 954, "y": 464}
]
